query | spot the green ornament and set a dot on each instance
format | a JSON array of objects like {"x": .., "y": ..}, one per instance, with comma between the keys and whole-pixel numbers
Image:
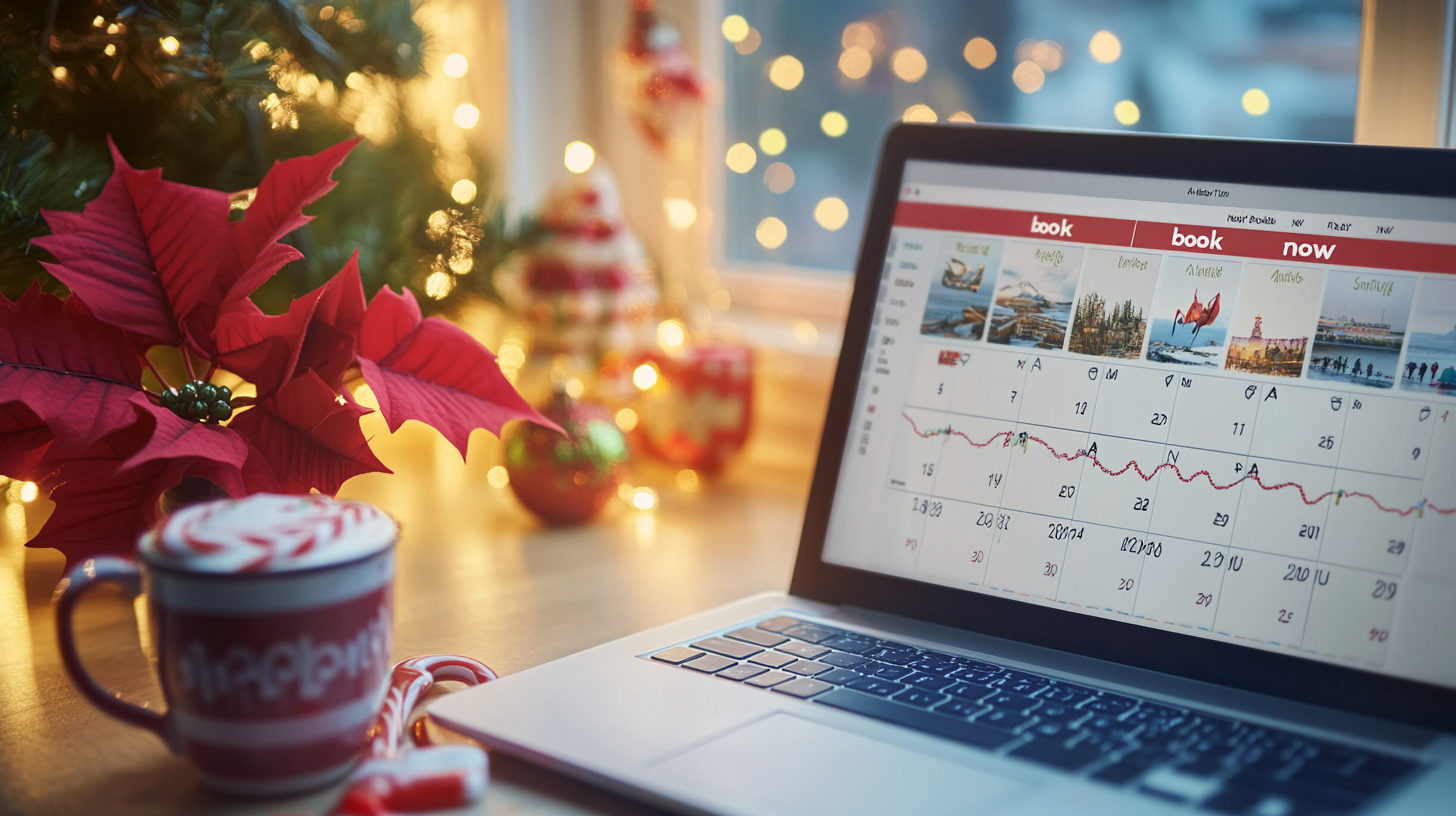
[
  {"x": 170, "y": 399},
  {"x": 207, "y": 392},
  {"x": 220, "y": 411},
  {"x": 188, "y": 392},
  {"x": 224, "y": 393},
  {"x": 198, "y": 409}
]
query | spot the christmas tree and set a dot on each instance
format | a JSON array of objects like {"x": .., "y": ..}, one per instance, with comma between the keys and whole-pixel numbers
[{"x": 214, "y": 93}]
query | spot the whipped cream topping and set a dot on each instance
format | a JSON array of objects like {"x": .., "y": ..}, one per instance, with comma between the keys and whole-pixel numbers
[{"x": 268, "y": 533}]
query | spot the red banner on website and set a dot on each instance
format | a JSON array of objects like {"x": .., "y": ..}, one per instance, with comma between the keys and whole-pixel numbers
[{"x": 1325, "y": 250}]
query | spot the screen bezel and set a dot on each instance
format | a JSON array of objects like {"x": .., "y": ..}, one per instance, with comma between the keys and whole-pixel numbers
[{"x": 1334, "y": 167}]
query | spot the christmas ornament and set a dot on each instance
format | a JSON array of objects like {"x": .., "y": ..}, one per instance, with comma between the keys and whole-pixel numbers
[
  {"x": 586, "y": 286},
  {"x": 696, "y": 403},
  {"x": 153, "y": 263},
  {"x": 656, "y": 78},
  {"x": 566, "y": 481}
]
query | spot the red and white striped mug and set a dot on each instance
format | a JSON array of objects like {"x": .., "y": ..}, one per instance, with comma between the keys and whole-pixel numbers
[{"x": 272, "y": 620}]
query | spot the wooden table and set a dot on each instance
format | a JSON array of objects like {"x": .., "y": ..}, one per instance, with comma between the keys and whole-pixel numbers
[{"x": 476, "y": 576}]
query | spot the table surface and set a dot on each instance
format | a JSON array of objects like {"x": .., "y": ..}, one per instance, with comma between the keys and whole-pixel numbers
[{"x": 476, "y": 576}]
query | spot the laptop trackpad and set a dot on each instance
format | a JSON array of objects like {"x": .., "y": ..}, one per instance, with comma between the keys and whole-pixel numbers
[{"x": 786, "y": 765}]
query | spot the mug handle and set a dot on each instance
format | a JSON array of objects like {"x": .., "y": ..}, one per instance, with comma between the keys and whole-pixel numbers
[{"x": 83, "y": 576}]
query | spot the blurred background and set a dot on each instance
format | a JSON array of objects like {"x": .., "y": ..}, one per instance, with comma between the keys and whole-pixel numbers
[{"x": 626, "y": 198}]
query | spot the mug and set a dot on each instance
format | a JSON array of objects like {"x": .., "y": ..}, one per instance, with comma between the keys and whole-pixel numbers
[{"x": 271, "y": 679}]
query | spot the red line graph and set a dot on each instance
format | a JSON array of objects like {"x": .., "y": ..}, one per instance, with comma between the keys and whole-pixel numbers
[{"x": 1009, "y": 438}]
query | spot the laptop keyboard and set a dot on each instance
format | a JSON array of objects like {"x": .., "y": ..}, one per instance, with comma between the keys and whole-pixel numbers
[{"x": 1220, "y": 764}]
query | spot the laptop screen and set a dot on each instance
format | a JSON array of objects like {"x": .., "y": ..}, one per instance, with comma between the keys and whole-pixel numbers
[{"x": 1225, "y": 411}]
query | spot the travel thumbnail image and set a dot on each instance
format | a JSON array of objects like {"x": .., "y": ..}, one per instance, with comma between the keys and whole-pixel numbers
[
  {"x": 1361, "y": 327},
  {"x": 1431, "y": 350},
  {"x": 1034, "y": 295},
  {"x": 1277, "y": 309},
  {"x": 960, "y": 293},
  {"x": 1192, "y": 312},
  {"x": 1110, "y": 316}
]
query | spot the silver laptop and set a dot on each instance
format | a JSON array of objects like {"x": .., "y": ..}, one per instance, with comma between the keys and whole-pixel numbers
[{"x": 1137, "y": 494}]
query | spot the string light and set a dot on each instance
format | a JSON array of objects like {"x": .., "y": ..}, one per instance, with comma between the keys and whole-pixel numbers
[
  {"x": 644, "y": 376},
  {"x": 741, "y": 158},
  {"x": 773, "y": 141},
  {"x": 786, "y": 72},
  {"x": 771, "y": 233},
  {"x": 29, "y": 492},
  {"x": 455, "y": 66},
  {"x": 1105, "y": 47},
  {"x": 671, "y": 334},
  {"x": 467, "y": 116},
  {"x": 99, "y": 21},
  {"x": 463, "y": 191},
  {"x": 831, "y": 213},
  {"x": 1127, "y": 112},
  {"x": 579, "y": 157},
  {"x": 644, "y": 498},
  {"x": 1256, "y": 102},
  {"x": 833, "y": 124},
  {"x": 114, "y": 28},
  {"x": 919, "y": 113},
  {"x": 439, "y": 284},
  {"x": 60, "y": 72},
  {"x": 170, "y": 45},
  {"x": 735, "y": 28},
  {"x": 110, "y": 49},
  {"x": 909, "y": 64}
]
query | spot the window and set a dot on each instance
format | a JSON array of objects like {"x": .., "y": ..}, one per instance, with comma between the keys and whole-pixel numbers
[{"x": 811, "y": 85}]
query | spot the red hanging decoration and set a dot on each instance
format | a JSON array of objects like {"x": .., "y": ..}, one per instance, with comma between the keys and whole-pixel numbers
[{"x": 657, "y": 79}]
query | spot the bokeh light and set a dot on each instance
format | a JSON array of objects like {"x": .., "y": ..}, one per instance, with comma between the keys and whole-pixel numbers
[
  {"x": 497, "y": 477},
  {"x": 644, "y": 498},
  {"x": 1105, "y": 46},
  {"x": 455, "y": 66},
  {"x": 467, "y": 116},
  {"x": 29, "y": 491},
  {"x": 626, "y": 419},
  {"x": 671, "y": 334},
  {"x": 831, "y": 213},
  {"x": 1256, "y": 102},
  {"x": 681, "y": 213},
  {"x": 687, "y": 480},
  {"x": 463, "y": 191},
  {"x": 735, "y": 28},
  {"x": 772, "y": 141},
  {"x": 1029, "y": 77},
  {"x": 909, "y": 64},
  {"x": 778, "y": 177},
  {"x": 741, "y": 158},
  {"x": 749, "y": 43},
  {"x": 919, "y": 113},
  {"x": 439, "y": 284},
  {"x": 980, "y": 53},
  {"x": 855, "y": 62},
  {"x": 858, "y": 35},
  {"x": 786, "y": 72},
  {"x": 1127, "y": 112},
  {"x": 170, "y": 45},
  {"x": 771, "y": 233},
  {"x": 644, "y": 376},
  {"x": 579, "y": 157},
  {"x": 833, "y": 124},
  {"x": 961, "y": 116}
]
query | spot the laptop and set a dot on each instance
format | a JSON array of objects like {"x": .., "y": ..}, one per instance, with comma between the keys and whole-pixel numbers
[{"x": 1136, "y": 494}]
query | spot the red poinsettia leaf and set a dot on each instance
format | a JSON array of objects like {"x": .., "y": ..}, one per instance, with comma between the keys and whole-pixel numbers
[
  {"x": 178, "y": 438},
  {"x": 432, "y": 371},
  {"x": 277, "y": 210},
  {"x": 101, "y": 509},
  {"x": 144, "y": 253},
  {"x": 328, "y": 347},
  {"x": 24, "y": 440},
  {"x": 308, "y": 437},
  {"x": 261, "y": 348},
  {"x": 75, "y": 372}
]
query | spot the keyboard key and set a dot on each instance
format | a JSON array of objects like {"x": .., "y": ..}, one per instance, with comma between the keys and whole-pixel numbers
[
  {"x": 810, "y": 632},
  {"x": 742, "y": 671},
  {"x": 838, "y": 676},
  {"x": 1108, "y": 727},
  {"x": 772, "y": 659},
  {"x": 1068, "y": 694},
  {"x": 802, "y": 688},
  {"x": 709, "y": 663},
  {"x": 976, "y": 676},
  {"x": 959, "y": 708},
  {"x": 886, "y": 672},
  {"x": 898, "y": 657},
  {"x": 842, "y": 661},
  {"x": 772, "y": 678},
  {"x": 1055, "y": 755},
  {"x": 929, "y": 682},
  {"x": 967, "y": 733},
  {"x": 804, "y": 650},
  {"x": 968, "y": 692},
  {"x": 1012, "y": 702},
  {"x": 778, "y": 624},
  {"x": 727, "y": 648},
  {"x": 1004, "y": 720},
  {"x": 849, "y": 644},
  {"x": 1110, "y": 704},
  {"x": 1172, "y": 784},
  {"x": 1206, "y": 765},
  {"x": 1130, "y": 766},
  {"x": 875, "y": 686},
  {"x": 1023, "y": 686},
  {"x": 1306, "y": 798},
  {"x": 920, "y": 698},
  {"x": 757, "y": 637},
  {"x": 807, "y": 668},
  {"x": 677, "y": 655},
  {"x": 1051, "y": 731},
  {"x": 1056, "y": 712},
  {"x": 977, "y": 665},
  {"x": 935, "y": 665}
]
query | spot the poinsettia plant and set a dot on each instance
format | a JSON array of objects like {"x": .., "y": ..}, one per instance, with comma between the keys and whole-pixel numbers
[{"x": 151, "y": 264}]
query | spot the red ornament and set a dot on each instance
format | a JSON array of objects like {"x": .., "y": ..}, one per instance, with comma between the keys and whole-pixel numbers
[
  {"x": 154, "y": 263},
  {"x": 700, "y": 409},
  {"x": 659, "y": 82},
  {"x": 567, "y": 480}
]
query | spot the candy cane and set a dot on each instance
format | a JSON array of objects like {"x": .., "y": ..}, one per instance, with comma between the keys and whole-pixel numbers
[{"x": 431, "y": 777}]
